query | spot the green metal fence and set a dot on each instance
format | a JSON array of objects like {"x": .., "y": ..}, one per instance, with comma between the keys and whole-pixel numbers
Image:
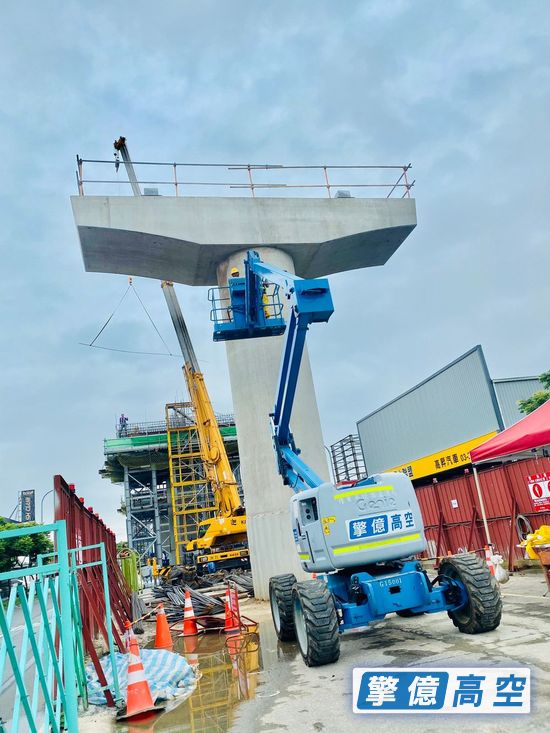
[
  {"x": 40, "y": 642},
  {"x": 42, "y": 651}
]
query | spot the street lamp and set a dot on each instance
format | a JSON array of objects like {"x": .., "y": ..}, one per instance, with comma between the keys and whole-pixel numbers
[{"x": 42, "y": 505}]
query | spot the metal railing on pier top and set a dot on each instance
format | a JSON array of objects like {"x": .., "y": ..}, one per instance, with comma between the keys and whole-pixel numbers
[
  {"x": 184, "y": 418},
  {"x": 192, "y": 179}
]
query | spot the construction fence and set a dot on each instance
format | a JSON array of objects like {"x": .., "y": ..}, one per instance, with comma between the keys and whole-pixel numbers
[
  {"x": 453, "y": 518},
  {"x": 104, "y": 595},
  {"x": 42, "y": 673}
]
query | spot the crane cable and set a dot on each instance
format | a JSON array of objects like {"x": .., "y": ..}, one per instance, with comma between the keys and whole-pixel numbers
[{"x": 93, "y": 344}]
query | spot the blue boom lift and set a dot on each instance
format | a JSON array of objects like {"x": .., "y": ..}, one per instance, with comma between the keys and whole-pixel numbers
[{"x": 361, "y": 540}]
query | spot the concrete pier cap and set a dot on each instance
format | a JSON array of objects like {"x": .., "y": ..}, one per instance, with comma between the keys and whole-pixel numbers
[{"x": 196, "y": 241}]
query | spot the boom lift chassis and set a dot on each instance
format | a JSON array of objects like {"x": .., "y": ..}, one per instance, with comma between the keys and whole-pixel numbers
[{"x": 360, "y": 540}]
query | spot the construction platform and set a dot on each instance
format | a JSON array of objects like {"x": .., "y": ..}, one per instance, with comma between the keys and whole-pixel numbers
[{"x": 162, "y": 510}]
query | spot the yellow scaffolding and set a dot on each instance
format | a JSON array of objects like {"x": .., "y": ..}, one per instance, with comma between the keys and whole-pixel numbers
[{"x": 191, "y": 493}]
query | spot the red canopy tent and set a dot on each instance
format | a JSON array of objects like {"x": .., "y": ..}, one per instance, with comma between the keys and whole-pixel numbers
[{"x": 531, "y": 432}]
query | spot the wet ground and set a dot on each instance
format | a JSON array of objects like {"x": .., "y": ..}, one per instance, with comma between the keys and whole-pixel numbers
[
  {"x": 231, "y": 670},
  {"x": 262, "y": 686},
  {"x": 319, "y": 699}
]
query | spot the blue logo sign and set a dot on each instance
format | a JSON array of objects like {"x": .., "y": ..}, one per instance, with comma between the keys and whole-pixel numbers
[
  {"x": 380, "y": 524},
  {"x": 393, "y": 690},
  {"x": 457, "y": 690}
]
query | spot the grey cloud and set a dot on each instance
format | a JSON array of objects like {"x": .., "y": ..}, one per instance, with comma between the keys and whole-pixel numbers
[{"x": 458, "y": 88}]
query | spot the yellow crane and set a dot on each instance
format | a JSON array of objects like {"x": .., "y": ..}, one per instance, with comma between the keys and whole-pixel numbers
[{"x": 220, "y": 539}]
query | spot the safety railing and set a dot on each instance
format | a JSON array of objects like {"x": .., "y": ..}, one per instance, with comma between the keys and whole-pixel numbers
[
  {"x": 80, "y": 560},
  {"x": 191, "y": 179},
  {"x": 40, "y": 640},
  {"x": 158, "y": 427},
  {"x": 221, "y": 310}
]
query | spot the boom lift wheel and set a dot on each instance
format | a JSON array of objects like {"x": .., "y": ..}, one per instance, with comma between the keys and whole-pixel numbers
[
  {"x": 280, "y": 599},
  {"x": 316, "y": 623},
  {"x": 483, "y": 609}
]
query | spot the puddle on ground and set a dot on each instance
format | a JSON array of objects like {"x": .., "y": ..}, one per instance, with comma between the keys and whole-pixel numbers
[{"x": 231, "y": 669}]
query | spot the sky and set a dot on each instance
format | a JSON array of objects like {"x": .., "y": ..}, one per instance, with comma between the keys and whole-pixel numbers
[{"x": 459, "y": 89}]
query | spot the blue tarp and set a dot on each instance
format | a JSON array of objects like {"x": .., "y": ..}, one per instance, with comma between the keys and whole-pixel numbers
[{"x": 169, "y": 675}]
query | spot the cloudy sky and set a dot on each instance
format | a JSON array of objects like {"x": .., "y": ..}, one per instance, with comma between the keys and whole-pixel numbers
[{"x": 460, "y": 89}]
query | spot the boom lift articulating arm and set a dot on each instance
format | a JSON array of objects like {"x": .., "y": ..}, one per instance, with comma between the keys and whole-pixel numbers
[
  {"x": 310, "y": 301},
  {"x": 363, "y": 538}
]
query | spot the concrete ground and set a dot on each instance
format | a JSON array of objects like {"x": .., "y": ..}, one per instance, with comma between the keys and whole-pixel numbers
[{"x": 292, "y": 697}]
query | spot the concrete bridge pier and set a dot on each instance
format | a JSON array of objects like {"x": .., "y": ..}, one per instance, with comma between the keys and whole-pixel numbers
[
  {"x": 196, "y": 241},
  {"x": 254, "y": 372}
]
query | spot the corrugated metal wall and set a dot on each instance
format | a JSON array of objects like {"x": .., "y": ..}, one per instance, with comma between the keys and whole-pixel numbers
[
  {"x": 452, "y": 406},
  {"x": 510, "y": 391},
  {"x": 452, "y": 515}
]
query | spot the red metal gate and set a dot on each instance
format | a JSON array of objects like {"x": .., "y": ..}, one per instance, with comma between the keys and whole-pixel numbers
[
  {"x": 452, "y": 515},
  {"x": 85, "y": 528}
]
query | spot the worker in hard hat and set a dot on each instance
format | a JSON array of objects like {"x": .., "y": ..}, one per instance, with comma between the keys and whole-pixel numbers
[{"x": 229, "y": 309}]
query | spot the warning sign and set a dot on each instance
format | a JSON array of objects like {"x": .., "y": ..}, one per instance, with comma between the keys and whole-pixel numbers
[{"x": 539, "y": 491}]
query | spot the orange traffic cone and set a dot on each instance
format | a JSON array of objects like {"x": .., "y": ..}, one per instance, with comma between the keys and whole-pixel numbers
[
  {"x": 139, "y": 701},
  {"x": 231, "y": 614},
  {"x": 190, "y": 645},
  {"x": 127, "y": 635},
  {"x": 163, "y": 638},
  {"x": 489, "y": 559},
  {"x": 190, "y": 627}
]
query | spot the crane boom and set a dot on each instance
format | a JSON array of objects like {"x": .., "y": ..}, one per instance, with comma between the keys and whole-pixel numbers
[
  {"x": 228, "y": 527},
  {"x": 180, "y": 327},
  {"x": 217, "y": 466},
  {"x": 120, "y": 147}
]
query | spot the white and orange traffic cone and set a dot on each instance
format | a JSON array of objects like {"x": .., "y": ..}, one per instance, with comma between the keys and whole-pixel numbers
[
  {"x": 190, "y": 627},
  {"x": 489, "y": 559},
  {"x": 163, "y": 638},
  {"x": 190, "y": 645},
  {"x": 127, "y": 635},
  {"x": 139, "y": 701}
]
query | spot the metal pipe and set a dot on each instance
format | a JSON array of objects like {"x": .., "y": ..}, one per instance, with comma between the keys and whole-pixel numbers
[
  {"x": 245, "y": 166},
  {"x": 42, "y": 505},
  {"x": 330, "y": 464},
  {"x": 251, "y": 182},
  {"x": 326, "y": 179},
  {"x": 176, "y": 179},
  {"x": 108, "y": 620},
  {"x": 127, "y": 499},
  {"x": 66, "y": 630},
  {"x": 482, "y": 507},
  {"x": 158, "y": 543}
]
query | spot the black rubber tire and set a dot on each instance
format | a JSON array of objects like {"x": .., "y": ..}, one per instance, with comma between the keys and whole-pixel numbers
[
  {"x": 483, "y": 610},
  {"x": 407, "y": 613},
  {"x": 316, "y": 623},
  {"x": 282, "y": 611}
]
